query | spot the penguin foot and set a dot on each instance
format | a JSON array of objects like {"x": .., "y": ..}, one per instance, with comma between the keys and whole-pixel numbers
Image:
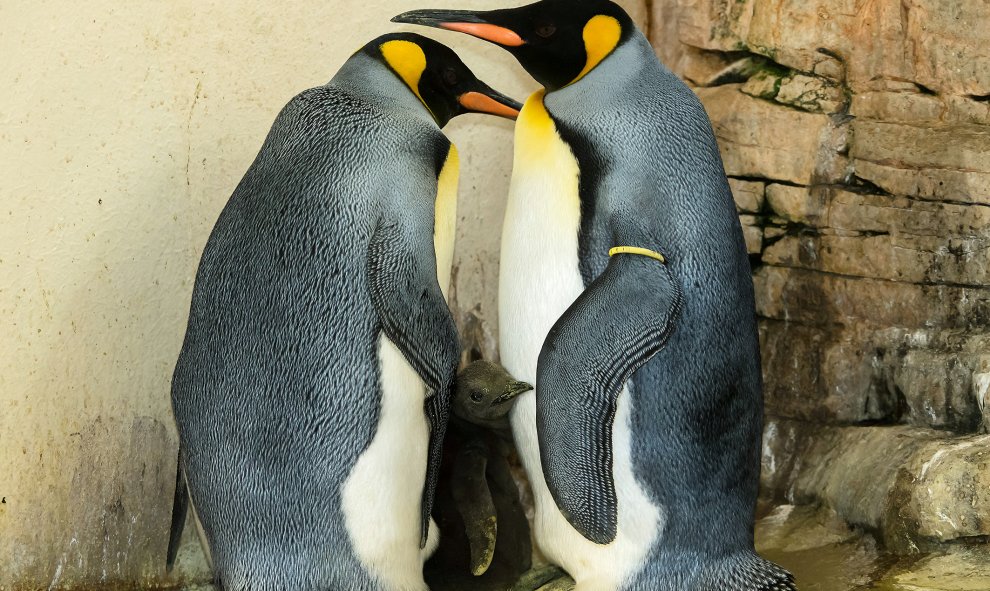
[
  {"x": 746, "y": 571},
  {"x": 544, "y": 578},
  {"x": 564, "y": 583}
]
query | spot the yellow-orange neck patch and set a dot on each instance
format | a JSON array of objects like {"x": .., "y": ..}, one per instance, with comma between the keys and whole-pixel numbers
[
  {"x": 408, "y": 61},
  {"x": 601, "y": 36}
]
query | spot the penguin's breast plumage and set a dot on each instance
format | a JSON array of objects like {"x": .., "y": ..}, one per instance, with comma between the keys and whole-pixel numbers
[
  {"x": 540, "y": 278},
  {"x": 383, "y": 521},
  {"x": 539, "y": 270}
]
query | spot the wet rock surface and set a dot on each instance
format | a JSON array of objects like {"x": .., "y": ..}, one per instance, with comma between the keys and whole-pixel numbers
[
  {"x": 912, "y": 487},
  {"x": 825, "y": 554}
]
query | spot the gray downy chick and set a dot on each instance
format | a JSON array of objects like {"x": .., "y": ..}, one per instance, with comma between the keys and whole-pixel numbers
[
  {"x": 482, "y": 485},
  {"x": 484, "y": 395}
]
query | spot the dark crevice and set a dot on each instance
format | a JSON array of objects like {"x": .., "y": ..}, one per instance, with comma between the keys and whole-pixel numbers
[
  {"x": 842, "y": 117},
  {"x": 790, "y": 229},
  {"x": 474, "y": 355},
  {"x": 871, "y": 233},
  {"x": 949, "y": 201},
  {"x": 765, "y": 64},
  {"x": 924, "y": 89},
  {"x": 789, "y": 106},
  {"x": 860, "y": 185},
  {"x": 740, "y": 67},
  {"x": 728, "y": 76},
  {"x": 855, "y": 184},
  {"x": 768, "y": 242},
  {"x": 878, "y": 422},
  {"x": 769, "y": 181},
  {"x": 900, "y": 400},
  {"x": 954, "y": 285},
  {"x": 831, "y": 54},
  {"x": 805, "y": 231},
  {"x": 980, "y": 98},
  {"x": 970, "y": 541}
]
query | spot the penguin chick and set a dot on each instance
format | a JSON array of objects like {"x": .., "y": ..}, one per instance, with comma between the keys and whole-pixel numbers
[
  {"x": 481, "y": 481},
  {"x": 484, "y": 394}
]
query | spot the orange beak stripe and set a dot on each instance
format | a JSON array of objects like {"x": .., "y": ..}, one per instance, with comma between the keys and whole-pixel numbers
[
  {"x": 479, "y": 103},
  {"x": 492, "y": 33}
]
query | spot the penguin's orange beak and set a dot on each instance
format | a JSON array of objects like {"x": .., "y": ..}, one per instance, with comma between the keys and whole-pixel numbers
[
  {"x": 462, "y": 21},
  {"x": 493, "y": 33},
  {"x": 479, "y": 102}
]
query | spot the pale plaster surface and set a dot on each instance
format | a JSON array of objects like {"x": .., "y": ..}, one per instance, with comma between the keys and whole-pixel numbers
[{"x": 124, "y": 127}]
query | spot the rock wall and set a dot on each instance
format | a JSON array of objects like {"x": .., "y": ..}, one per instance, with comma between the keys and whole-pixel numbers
[{"x": 856, "y": 135}]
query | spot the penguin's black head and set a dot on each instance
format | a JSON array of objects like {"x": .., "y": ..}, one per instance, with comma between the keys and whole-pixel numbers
[
  {"x": 440, "y": 80},
  {"x": 557, "y": 41}
]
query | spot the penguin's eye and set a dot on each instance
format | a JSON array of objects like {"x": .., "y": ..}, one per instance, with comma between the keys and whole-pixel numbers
[
  {"x": 450, "y": 77},
  {"x": 546, "y": 30},
  {"x": 476, "y": 396}
]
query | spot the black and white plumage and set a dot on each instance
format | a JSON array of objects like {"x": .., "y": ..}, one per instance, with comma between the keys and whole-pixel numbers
[
  {"x": 313, "y": 386},
  {"x": 642, "y": 440}
]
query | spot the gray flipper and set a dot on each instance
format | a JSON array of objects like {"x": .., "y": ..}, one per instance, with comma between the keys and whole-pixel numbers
[
  {"x": 406, "y": 294},
  {"x": 474, "y": 503},
  {"x": 621, "y": 320},
  {"x": 745, "y": 571},
  {"x": 180, "y": 506}
]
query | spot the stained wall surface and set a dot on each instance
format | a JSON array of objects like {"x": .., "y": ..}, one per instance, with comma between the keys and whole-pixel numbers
[{"x": 124, "y": 127}]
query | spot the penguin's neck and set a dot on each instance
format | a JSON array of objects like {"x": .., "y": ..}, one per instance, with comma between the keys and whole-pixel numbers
[
  {"x": 618, "y": 80},
  {"x": 371, "y": 81}
]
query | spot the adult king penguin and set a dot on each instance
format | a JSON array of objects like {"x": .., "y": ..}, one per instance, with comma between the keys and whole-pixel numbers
[
  {"x": 312, "y": 390},
  {"x": 625, "y": 296}
]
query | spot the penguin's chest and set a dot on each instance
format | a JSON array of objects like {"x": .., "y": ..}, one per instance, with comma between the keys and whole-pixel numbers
[
  {"x": 539, "y": 270},
  {"x": 383, "y": 493},
  {"x": 539, "y": 280}
]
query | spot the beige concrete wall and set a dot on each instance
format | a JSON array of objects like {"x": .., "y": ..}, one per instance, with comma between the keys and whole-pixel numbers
[{"x": 123, "y": 129}]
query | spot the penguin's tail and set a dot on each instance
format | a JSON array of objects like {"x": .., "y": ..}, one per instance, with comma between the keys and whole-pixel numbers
[
  {"x": 180, "y": 506},
  {"x": 745, "y": 571}
]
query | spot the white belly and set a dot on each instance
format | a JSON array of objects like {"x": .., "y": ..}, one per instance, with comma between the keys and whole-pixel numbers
[
  {"x": 539, "y": 279},
  {"x": 383, "y": 494}
]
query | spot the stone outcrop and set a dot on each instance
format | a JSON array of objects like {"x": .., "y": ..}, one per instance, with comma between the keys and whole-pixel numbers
[
  {"x": 856, "y": 136},
  {"x": 826, "y": 554},
  {"x": 913, "y": 486}
]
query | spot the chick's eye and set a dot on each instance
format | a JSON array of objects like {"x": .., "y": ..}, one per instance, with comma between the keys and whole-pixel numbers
[
  {"x": 476, "y": 396},
  {"x": 450, "y": 76},
  {"x": 546, "y": 29}
]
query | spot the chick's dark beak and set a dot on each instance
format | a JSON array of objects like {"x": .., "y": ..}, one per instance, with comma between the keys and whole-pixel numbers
[
  {"x": 485, "y": 100},
  {"x": 462, "y": 21},
  {"x": 511, "y": 391}
]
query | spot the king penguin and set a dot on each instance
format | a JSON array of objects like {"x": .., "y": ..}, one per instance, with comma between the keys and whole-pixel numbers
[
  {"x": 625, "y": 295},
  {"x": 313, "y": 387}
]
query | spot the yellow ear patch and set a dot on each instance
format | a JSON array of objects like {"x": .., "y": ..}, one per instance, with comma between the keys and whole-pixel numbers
[
  {"x": 601, "y": 36},
  {"x": 408, "y": 61}
]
